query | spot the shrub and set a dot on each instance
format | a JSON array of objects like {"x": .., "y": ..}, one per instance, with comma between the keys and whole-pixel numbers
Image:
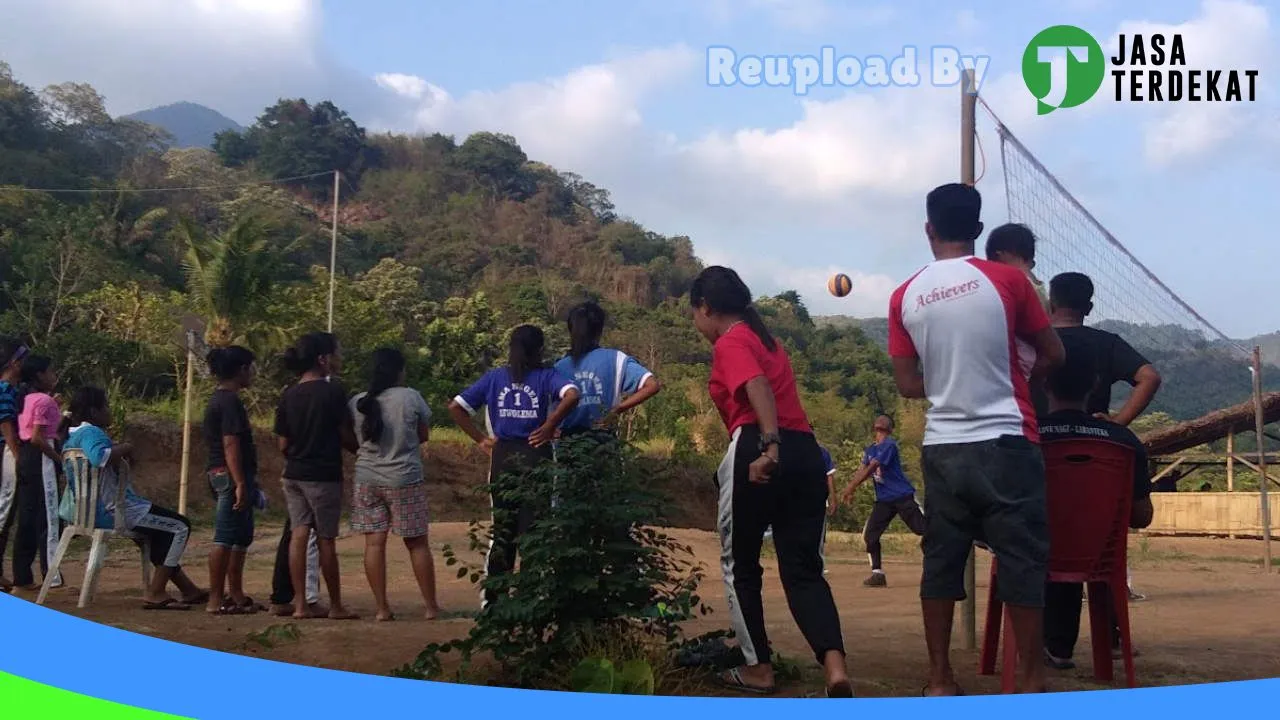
[{"x": 593, "y": 570}]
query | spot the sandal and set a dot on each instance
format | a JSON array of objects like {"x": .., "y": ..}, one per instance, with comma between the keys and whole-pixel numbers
[
  {"x": 924, "y": 692},
  {"x": 249, "y": 605},
  {"x": 842, "y": 689},
  {"x": 732, "y": 680},
  {"x": 230, "y": 609},
  {"x": 166, "y": 604}
]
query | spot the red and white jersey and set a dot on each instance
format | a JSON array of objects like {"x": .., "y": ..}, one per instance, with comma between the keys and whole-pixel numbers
[{"x": 962, "y": 318}]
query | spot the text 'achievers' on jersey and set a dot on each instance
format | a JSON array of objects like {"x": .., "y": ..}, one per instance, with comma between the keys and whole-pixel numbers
[{"x": 962, "y": 318}]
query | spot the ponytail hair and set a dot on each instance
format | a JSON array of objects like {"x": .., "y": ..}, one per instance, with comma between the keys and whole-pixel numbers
[
  {"x": 306, "y": 354},
  {"x": 720, "y": 290},
  {"x": 388, "y": 363},
  {"x": 226, "y": 363},
  {"x": 32, "y": 367},
  {"x": 586, "y": 325},
  {"x": 525, "y": 351}
]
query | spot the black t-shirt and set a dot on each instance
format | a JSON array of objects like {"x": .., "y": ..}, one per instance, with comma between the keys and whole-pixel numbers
[
  {"x": 1115, "y": 359},
  {"x": 1074, "y": 425},
  {"x": 226, "y": 416},
  {"x": 310, "y": 416}
]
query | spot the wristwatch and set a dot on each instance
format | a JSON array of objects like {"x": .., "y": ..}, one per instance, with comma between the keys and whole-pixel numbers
[{"x": 768, "y": 439}]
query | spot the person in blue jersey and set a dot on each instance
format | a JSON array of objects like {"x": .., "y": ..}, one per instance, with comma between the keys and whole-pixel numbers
[
  {"x": 518, "y": 400},
  {"x": 12, "y": 354},
  {"x": 832, "y": 503},
  {"x": 609, "y": 381},
  {"x": 895, "y": 496}
]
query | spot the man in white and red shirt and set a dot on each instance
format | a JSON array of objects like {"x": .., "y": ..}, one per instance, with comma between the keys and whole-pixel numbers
[{"x": 954, "y": 329}]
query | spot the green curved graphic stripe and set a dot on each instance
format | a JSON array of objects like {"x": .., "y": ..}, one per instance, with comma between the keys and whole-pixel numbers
[{"x": 22, "y": 698}]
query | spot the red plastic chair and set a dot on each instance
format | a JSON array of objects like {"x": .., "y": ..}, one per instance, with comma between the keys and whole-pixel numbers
[{"x": 1090, "y": 495}]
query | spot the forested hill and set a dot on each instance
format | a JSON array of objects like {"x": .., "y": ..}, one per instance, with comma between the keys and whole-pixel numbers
[
  {"x": 444, "y": 245},
  {"x": 1199, "y": 376}
]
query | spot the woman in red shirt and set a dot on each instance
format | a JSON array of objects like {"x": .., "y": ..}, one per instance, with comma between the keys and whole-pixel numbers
[{"x": 773, "y": 474}]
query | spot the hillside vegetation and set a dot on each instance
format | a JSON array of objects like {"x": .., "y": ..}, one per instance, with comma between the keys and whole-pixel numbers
[{"x": 444, "y": 245}]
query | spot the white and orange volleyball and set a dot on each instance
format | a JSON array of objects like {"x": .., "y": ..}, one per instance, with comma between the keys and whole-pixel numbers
[{"x": 840, "y": 285}]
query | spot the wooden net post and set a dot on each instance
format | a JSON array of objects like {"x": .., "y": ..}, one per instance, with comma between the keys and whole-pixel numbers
[
  {"x": 1260, "y": 428},
  {"x": 968, "y": 176}
]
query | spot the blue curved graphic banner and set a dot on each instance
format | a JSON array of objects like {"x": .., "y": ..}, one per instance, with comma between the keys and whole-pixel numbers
[{"x": 97, "y": 661}]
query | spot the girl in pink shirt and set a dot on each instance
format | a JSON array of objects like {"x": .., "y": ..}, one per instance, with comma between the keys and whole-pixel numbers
[{"x": 38, "y": 463}]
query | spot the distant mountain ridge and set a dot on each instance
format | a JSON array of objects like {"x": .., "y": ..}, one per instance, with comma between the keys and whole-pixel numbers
[
  {"x": 192, "y": 125},
  {"x": 1199, "y": 376}
]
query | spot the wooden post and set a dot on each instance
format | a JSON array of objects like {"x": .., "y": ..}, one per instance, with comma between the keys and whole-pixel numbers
[
  {"x": 968, "y": 174},
  {"x": 1260, "y": 428},
  {"x": 1231, "y": 460},
  {"x": 186, "y": 426},
  {"x": 333, "y": 248}
]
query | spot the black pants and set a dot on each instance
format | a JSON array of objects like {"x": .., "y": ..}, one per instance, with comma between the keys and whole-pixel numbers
[
  {"x": 882, "y": 514},
  {"x": 511, "y": 517},
  {"x": 36, "y": 507},
  {"x": 281, "y": 581},
  {"x": 793, "y": 502},
  {"x": 167, "y": 532},
  {"x": 1062, "y": 610}
]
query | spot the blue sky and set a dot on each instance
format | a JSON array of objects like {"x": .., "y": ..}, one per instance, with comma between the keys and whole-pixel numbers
[{"x": 787, "y": 189}]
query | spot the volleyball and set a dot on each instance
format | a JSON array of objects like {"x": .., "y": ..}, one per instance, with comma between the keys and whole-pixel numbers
[{"x": 840, "y": 285}]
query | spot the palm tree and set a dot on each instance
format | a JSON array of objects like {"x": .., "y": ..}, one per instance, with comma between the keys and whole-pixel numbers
[{"x": 230, "y": 275}]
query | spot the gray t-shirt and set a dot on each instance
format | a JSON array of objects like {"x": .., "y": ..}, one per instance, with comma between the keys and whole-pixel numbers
[{"x": 395, "y": 460}]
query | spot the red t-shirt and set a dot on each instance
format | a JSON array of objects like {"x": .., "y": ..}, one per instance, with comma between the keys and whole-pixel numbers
[{"x": 738, "y": 357}]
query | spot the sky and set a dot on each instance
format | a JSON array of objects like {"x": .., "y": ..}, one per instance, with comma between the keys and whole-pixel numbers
[{"x": 787, "y": 189}]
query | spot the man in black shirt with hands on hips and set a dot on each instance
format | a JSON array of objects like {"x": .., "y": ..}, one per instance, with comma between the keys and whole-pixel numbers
[
  {"x": 1070, "y": 302},
  {"x": 1068, "y": 389}
]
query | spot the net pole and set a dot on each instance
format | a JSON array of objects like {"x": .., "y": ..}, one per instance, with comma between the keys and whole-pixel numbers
[
  {"x": 968, "y": 173},
  {"x": 1259, "y": 427},
  {"x": 333, "y": 248},
  {"x": 185, "y": 472}
]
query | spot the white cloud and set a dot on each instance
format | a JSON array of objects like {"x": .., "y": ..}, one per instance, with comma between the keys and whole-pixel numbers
[
  {"x": 1227, "y": 34},
  {"x": 804, "y": 15},
  {"x": 570, "y": 119},
  {"x": 143, "y": 53}
]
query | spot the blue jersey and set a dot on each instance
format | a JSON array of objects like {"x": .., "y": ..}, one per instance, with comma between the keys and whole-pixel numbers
[
  {"x": 889, "y": 480},
  {"x": 514, "y": 410},
  {"x": 603, "y": 376},
  {"x": 826, "y": 459}
]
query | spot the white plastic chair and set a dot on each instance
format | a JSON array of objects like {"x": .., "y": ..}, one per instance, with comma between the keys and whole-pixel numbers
[{"x": 85, "y": 482}]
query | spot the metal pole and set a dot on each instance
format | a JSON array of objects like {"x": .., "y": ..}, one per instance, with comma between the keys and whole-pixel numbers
[
  {"x": 1259, "y": 426},
  {"x": 186, "y": 426},
  {"x": 333, "y": 248},
  {"x": 968, "y": 132}
]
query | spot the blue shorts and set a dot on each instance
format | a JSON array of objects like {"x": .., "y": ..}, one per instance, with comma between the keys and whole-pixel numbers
[{"x": 231, "y": 529}]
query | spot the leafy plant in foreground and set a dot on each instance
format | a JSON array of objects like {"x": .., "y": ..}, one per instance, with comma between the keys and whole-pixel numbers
[{"x": 593, "y": 571}]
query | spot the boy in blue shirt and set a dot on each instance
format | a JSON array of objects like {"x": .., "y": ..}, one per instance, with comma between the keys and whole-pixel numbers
[{"x": 895, "y": 496}]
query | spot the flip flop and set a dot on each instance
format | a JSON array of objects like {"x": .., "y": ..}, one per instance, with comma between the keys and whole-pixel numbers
[
  {"x": 842, "y": 689},
  {"x": 249, "y": 604},
  {"x": 166, "y": 604},
  {"x": 732, "y": 680},
  {"x": 924, "y": 692},
  {"x": 233, "y": 610}
]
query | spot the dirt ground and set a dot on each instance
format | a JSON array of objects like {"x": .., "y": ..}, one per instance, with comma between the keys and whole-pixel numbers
[{"x": 1209, "y": 616}]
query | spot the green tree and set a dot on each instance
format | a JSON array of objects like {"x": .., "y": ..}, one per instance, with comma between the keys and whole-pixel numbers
[
  {"x": 229, "y": 276},
  {"x": 293, "y": 138}
]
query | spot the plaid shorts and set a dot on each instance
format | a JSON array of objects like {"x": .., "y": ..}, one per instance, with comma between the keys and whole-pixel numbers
[{"x": 401, "y": 510}]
